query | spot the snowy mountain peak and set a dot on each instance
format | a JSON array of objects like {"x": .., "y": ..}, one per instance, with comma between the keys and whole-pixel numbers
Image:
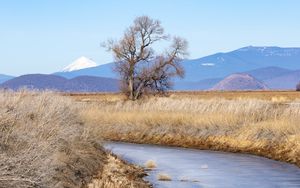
[
  {"x": 270, "y": 51},
  {"x": 258, "y": 48},
  {"x": 80, "y": 63}
]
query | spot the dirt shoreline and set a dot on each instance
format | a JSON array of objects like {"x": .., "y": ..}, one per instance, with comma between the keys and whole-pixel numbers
[{"x": 118, "y": 173}]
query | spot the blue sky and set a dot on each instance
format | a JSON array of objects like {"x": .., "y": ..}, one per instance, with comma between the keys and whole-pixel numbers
[{"x": 43, "y": 36}]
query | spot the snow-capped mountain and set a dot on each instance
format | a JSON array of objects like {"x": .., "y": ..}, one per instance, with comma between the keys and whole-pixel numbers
[
  {"x": 263, "y": 63},
  {"x": 271, "y": 51},
  {"x": 218, "y": 65},
  {"x": 80, "y": 63}
]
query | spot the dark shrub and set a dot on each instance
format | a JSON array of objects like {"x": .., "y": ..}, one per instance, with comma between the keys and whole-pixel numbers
[{"x": 298, "y": 87}]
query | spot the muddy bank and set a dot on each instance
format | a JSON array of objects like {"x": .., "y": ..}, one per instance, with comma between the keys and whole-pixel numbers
[{"x": 116, "y": 173}]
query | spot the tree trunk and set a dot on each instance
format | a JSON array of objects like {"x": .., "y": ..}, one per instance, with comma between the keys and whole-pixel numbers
[
  {"x": 130, "y": 88},
  {"x": 138, "y": 91}
]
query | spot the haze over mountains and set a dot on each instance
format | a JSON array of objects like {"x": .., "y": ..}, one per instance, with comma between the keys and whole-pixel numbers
[
  {"x": 271, "y": 67},
  {"x": 4, "y": 78}
]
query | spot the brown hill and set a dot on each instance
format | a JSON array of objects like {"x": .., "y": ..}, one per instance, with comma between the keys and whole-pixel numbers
[{"x": 240, "y": 82}]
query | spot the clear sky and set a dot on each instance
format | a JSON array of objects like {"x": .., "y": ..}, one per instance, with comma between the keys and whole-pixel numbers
[{"x": 43, "y": 36}]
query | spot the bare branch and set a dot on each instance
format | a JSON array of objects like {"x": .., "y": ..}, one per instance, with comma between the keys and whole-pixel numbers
[{"x": 138, "y": 66}]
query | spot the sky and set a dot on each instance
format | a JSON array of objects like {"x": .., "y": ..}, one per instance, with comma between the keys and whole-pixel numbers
[{"x": 43, "y": 36}]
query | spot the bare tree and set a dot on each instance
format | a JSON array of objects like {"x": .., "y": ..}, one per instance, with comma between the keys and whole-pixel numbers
[
  {"x": 298, "y": 87},
  {"x": 140, "y": 68}
]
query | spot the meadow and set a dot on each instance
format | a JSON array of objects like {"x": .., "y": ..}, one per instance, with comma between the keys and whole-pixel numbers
[
  {"x": 262, "y": 122},
  {"x": 52, "y": 139}
]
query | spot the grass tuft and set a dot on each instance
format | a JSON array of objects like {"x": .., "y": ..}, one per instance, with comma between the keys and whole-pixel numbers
[
  {"x": 164, "y": 177},
  {"x": 150, "y": 164}
]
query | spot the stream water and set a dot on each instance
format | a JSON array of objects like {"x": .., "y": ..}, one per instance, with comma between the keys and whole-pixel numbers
[{"x": 189, "y": 168}]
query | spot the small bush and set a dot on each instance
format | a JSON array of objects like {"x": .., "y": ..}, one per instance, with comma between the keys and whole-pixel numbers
[
  {"x": 164, "y": 177},
  {"x": 150, "y": 164},
  {"x": 298, "y": 87}
]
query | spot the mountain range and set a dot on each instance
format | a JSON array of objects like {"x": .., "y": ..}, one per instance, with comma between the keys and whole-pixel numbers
[
  {"x": 4, "y": 78},
  {"x": 273, "y": 67},
  {"x": 218, "y": 65},
  {"x": 58, "y": 83}
]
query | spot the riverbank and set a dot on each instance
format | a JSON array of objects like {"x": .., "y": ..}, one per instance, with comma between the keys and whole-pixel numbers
[
  {"x": 43, "y": 143},
  {"x": 48, "y": 140},
  {"x": 118, "y": 173},
  {"x": 266, "y": 128},
  {"x": 189, "y": 168}
]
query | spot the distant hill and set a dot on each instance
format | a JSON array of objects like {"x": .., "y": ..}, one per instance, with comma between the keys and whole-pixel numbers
[
  {"x": 35, "y": 81},
  {"x": 249, "y": 58},
  {"x": 58, "y": 83},
  {"x": 239, "y": 82},
  {"x": 285, "y": 81},
  {"x": 194, "y": 86},
  {"x": 92, "y": 84},
  {"x": 268, "y": 72},
  {"x": 4, "y": 78}
]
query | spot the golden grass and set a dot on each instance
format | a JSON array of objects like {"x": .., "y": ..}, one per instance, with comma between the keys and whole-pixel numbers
[
  {"x": 47, "y": 140},
  {"x": 275, "y": 96},
  {"x": 43, "y": 143},
  {"x": 164, "y": 177},
  {"x": 150, "y": 164},
  {"x": 117, "y": 174},
  {"x": 284, "y": 96},
  {"x": 266, "y": 127}
]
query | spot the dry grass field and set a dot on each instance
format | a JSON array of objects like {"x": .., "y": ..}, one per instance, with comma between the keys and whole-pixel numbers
[
  {"x": 54, "y": 140},
  {"x": 43, "y": 143},
  {"x": 275, "y": 96},
  {"x": 261, "y": 123}
]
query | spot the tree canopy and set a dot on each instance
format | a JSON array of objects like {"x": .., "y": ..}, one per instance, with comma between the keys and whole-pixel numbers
[{"x": 140, "y": 68}]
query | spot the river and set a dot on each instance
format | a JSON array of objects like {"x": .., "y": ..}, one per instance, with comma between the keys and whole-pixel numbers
[{"x": 191, "y": 168}]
